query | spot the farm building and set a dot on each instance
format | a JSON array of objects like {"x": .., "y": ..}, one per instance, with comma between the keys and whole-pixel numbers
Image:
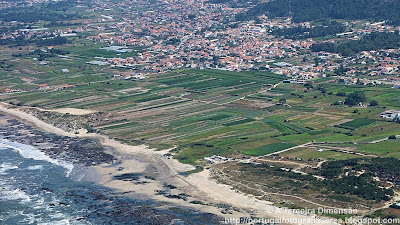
[
  {"x": 391, "y": 114},
  {"x": 216, "y": 159}
]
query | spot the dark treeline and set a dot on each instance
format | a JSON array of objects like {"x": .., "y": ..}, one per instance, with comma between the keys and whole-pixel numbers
[
  {"x": 11, "y": 28},
  {"x": 309, "y": 10},
  {"x": 52, "y": 11},
  {"x": 32, "y": 16},
  {"x": 234, "y": 3},
  {"x": 52, "y": 41},
  {"x": 42, "y": 55},
  {"x": 58, "y": 51},
  {"x": 62, "y": 24},
  {"x": 21, "y": 41},
  {"x": 230, "y": 1},
  {"x": 373, "y": 41},
  {"x": 301, "y": 32},
  {"x": 18, "y": 41}
]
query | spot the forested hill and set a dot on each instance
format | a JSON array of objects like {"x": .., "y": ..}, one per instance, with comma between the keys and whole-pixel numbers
[
  {"x": 308, "y": 10},
  {"x": 373, "y": 41}
]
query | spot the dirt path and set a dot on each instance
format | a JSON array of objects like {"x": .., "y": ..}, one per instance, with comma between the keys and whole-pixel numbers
[{"x": 288, "y": 149}]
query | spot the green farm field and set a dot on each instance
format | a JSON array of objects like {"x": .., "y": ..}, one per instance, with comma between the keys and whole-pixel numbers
[{"x": 223, "y": 112}]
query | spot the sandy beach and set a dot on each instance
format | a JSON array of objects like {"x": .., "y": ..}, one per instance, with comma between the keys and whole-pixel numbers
[{"x": 161, "y": 171}]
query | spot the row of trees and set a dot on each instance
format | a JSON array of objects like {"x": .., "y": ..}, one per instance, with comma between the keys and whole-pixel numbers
[
  {"x": 301, "y": 32},
  {"x": 51, "y": 53},
  {"x": 52, "y": 41},
  {"x": 21, "y": 41}
]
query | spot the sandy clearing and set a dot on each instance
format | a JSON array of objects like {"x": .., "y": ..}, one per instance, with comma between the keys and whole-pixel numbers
[
  {"x": 134, "y": 89},
  {"x": 73, "y": 111}
]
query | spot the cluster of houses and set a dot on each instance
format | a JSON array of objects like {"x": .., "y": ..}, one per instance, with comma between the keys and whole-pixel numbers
[
  {"x": 9, "y": 90},
  {"x": 130, "y": 76},
  {"x": 174, "y": 36},
  {"x": 46, "y": 87},
  {"x": 179, "y": 34}
]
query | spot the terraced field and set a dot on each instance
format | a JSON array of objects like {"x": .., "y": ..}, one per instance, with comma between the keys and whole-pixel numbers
[{"x": 207, "y": 112}]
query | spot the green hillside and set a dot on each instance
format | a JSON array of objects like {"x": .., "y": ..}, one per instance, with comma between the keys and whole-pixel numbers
[{"x": 307, "y": 10}]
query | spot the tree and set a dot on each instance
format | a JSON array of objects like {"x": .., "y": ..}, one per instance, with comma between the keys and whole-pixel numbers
[
  {"x": 373, "y": 103},
  {"x": 341, "y": 70},
  {"x": 392, "y": 137},
  {"x": 355, "y": 98},
  {"x": 308, "y": 86},
  {"x": 350, "y": 102},
  {"x": 282, "y": 100}
]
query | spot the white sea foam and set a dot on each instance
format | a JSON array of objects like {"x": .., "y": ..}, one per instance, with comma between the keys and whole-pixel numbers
[
  {"x": 29, "y": 218},
  {"x": 37, "y": 167},
  {"x": 31, "y": 152},
  {"x": 39, "y": 203},
  {"x": 7, "y": 166},
  {"x": 60, "y": 222},
  {"x": 8, "y": 193}
]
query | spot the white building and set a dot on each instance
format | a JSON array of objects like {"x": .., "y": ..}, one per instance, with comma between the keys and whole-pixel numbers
[{"x": 391, "y": 114}]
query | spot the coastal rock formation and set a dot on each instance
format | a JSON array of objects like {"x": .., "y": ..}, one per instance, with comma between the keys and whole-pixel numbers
[{"x": 86, "y": 152}]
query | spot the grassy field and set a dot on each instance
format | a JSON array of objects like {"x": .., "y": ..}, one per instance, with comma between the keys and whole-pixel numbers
[
  {"x": 263, "y": 150},
  {"x": 389, "y": 148},
  {"x": 357, "y": 123}
]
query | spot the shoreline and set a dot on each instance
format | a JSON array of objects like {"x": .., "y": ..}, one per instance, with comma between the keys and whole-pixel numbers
[{"x": 157, "y": 172}]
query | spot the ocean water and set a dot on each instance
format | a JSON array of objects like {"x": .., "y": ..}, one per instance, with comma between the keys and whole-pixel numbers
[{"x": 35, "y": 189}]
